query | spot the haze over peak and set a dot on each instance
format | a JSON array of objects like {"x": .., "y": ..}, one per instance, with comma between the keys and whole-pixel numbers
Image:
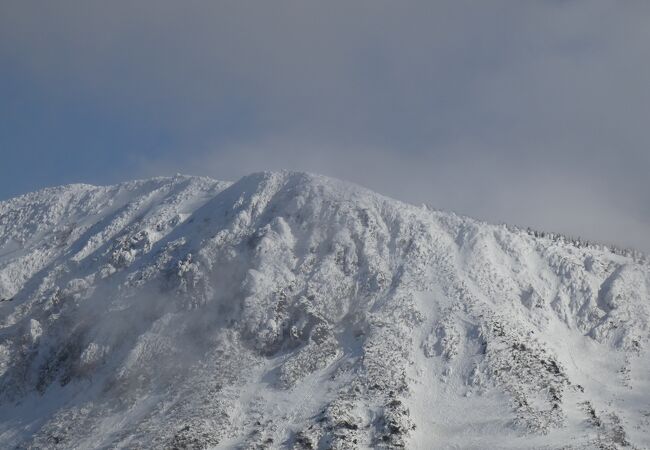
[{"x": 532, "y": 113}]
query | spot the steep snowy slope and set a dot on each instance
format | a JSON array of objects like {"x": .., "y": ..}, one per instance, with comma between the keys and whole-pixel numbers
[{"x": 289, "y": 310}]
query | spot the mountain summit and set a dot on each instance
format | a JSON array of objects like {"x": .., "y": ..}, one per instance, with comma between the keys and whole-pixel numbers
[{"x": 290, "y": 310}]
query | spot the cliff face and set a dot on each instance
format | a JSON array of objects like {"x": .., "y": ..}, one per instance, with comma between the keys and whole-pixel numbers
[{"x": 290, "y": 310}]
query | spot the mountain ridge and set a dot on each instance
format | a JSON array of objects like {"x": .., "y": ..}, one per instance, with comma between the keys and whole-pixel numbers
[{"x": 579, "y": 240}]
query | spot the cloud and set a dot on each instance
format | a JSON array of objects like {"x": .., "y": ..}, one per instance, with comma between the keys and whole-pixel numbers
[{"x": 532, "y": 112}]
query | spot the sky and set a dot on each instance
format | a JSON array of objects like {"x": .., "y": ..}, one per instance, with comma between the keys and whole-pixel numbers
[{"x": 534, "y": 113}]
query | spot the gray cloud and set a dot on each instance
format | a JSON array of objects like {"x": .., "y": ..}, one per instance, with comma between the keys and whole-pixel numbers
[{"x": 529, "y": 112}]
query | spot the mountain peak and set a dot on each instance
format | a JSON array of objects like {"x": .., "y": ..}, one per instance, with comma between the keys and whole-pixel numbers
[{"x": 292, "y": 310}]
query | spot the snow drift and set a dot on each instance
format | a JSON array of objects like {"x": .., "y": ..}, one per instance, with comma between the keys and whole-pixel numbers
[{"x": 289, "y": 310}]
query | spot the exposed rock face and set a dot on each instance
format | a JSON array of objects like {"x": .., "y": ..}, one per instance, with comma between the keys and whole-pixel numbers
[{"x": 289, "y": 310}]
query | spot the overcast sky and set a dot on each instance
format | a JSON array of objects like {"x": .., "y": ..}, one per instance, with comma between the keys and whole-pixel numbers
[{"x": 535, "y": 113}]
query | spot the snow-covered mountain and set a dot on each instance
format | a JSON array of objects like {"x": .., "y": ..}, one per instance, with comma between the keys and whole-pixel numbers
[{"x": 290, "y": 310}]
